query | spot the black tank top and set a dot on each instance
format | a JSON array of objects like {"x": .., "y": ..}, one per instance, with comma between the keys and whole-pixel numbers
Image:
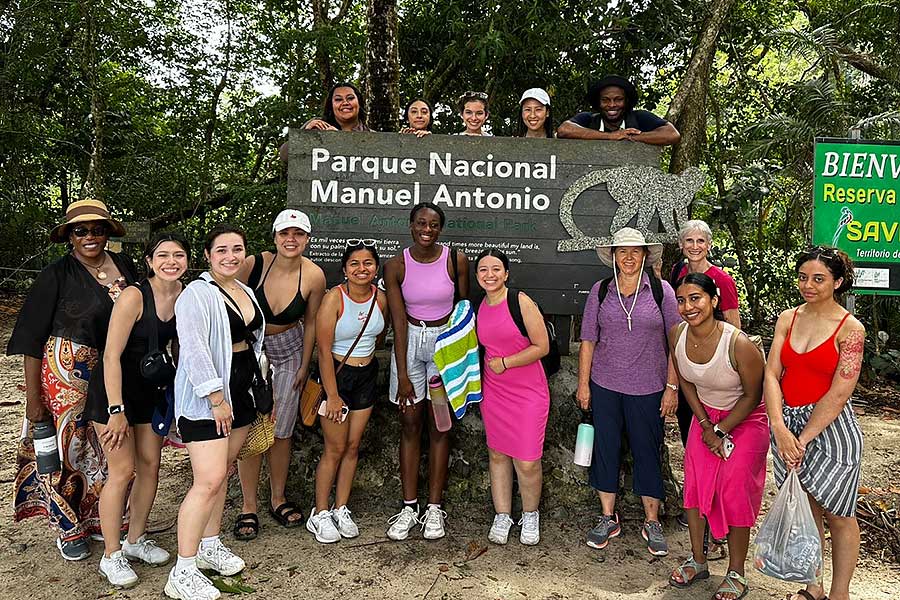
[
  {"x": 139, "y": 341},
  {"x": 294, "y": 311}
]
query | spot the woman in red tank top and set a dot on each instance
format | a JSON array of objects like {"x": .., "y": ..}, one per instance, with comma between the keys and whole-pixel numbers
[{"x": 813, "y": 367}]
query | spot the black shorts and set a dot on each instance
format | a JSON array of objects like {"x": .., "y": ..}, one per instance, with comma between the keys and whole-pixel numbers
[
  {"x": 356, "y": 385},
  {"x": 139, "y": 396},
  {"x": 243, "y": 409}
]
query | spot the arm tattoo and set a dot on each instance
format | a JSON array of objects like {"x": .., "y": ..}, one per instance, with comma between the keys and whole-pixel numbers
[{"x": 851, "y": 355}]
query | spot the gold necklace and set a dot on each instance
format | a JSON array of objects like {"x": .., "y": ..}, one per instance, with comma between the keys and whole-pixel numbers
[
  {"x": 709, "y": 335},
  {"x": 101, "y": 274}
]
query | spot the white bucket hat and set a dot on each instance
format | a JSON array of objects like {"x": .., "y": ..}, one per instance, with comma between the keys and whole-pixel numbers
[{"x": 628, "y": 236}]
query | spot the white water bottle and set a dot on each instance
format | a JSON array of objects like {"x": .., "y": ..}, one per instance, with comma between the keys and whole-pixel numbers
[{"x": 584, "y": 445}]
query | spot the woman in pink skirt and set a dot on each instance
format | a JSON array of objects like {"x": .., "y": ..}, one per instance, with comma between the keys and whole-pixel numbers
[
  {"x": 725, "y": 457},
  {"x": 516, "y": 398}
]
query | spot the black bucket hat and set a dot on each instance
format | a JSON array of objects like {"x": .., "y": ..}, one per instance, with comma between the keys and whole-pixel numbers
[{"x": 618, "y": 81}]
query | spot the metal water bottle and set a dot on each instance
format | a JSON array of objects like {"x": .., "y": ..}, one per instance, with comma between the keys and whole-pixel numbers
[
  {"x": 584, "y": 442},
  {"x": 46, "y": 450},
  {"x": 440, "y": 404}
]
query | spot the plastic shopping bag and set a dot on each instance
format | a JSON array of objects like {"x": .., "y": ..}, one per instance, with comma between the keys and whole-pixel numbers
[{"x": 788, "y": 545}]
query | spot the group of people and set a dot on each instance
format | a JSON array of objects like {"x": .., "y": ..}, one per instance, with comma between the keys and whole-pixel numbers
[
  {"x": 96, "y": 339},
  {"x": 613, "y": 98}
]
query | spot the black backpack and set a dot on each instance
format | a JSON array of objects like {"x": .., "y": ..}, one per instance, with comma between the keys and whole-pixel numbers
[{"x": 551, "y": 361}]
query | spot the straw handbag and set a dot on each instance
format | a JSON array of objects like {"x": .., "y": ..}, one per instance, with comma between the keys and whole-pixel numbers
[{"x": 260, "y": 437}]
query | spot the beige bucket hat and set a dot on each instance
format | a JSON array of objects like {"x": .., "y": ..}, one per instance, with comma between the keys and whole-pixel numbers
[{"x": 628, "y": 236}]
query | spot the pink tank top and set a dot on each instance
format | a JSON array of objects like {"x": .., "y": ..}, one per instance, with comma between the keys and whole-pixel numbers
[
  {"x": 718, "y": 383},
  {"x": 427, "y": 287}
]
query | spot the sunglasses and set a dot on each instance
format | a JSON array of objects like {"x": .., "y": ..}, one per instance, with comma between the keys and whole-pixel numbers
[
  {"x": 82, "y": 231},
  {"x": 368, "y": 242},
  {"x": 479, "y": 95}
]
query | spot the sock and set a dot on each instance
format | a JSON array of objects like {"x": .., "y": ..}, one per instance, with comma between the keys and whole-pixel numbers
[
  {"x": 186, "y": 563},
  {"x": 434, "y": 504},
  {"x": 207, "y": 542},
  {"x": 413, "y": 504}
]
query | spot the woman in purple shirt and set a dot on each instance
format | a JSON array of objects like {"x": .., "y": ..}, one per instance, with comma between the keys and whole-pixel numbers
[{"x": 626, "y": 377}]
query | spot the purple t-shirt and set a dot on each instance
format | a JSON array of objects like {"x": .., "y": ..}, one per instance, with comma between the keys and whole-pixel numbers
[{"x": 629, "y": 362}]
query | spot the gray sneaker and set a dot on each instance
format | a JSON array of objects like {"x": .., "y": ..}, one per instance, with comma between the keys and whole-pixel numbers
[
  {"x": 608, "y": 527},
  {"x": 656, "y": 543}
]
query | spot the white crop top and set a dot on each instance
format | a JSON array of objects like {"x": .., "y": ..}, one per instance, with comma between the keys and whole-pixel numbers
[{"x": 353, "y": 315}]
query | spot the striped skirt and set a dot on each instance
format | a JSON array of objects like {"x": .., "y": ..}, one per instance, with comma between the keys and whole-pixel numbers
[
  {"x": 285, "y": 353},
  {"x": 831, "y": 464}
]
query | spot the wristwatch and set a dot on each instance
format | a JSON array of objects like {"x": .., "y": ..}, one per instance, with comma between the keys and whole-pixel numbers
[
  {"x": 672, "y": 387},
  {"x": 115, "y": 409},
  {"x": 718, "y": 431}
]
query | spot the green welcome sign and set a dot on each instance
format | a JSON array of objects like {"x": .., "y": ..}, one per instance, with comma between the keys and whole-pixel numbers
[{"x": 855, "y": 208}]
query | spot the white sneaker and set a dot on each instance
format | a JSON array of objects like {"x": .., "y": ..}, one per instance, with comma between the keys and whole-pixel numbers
[
  {"x": 117, "y": 570},
  {"x": 190, "y": 584},
  {"x": 146, "y": 551},
  {"x": 433, "y": 522},
  {"x": 218, "y": 557},
  {"x": 531, "y": 528},
  {"x": 499, "y": 533},
  {"x": 402, "y": 523},
  {"x": 344, "y": 523},
  {"x": 322, "y": 526}
]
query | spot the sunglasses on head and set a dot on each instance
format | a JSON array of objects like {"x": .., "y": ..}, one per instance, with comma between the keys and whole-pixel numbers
[
  {"x": 478, "y": 95},
  {"x": 82, "y": 231},
  {"x": 368, "y": 242}
]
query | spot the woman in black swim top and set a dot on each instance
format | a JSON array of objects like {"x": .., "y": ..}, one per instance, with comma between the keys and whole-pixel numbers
[{"x": 289, "y": 289}]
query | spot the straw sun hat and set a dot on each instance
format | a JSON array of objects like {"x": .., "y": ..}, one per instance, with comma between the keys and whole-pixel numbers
[
  {"x": 629, "y": 237},
  {"x": 83, "y": 211}
]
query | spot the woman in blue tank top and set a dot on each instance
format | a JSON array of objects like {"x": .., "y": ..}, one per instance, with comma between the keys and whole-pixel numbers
[{"x": 349, "y": 324}]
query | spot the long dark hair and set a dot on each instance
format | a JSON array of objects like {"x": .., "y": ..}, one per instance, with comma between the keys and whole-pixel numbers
[
  {"x": 328, "y": 109},
  {"x": 709, "y": 287},
  {"x": 836, "y": 261}
]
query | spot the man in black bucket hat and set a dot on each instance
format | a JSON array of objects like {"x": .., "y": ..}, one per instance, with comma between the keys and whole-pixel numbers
[{"x": 614, "y": 99}]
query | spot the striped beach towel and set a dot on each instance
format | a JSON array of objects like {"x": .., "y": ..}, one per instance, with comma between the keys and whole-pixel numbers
[{"x": 457, "y": 359}]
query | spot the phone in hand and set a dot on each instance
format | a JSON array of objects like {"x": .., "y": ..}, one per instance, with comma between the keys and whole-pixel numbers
[
  {"x": 344, "y": 410},
  {"x": 727, "y": 446}
]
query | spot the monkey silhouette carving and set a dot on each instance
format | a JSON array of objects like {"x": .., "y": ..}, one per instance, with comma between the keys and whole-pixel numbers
[{"x": 639, "y": 191}]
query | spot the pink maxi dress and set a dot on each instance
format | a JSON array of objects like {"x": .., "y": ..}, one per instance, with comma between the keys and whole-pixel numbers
[
  {"x": 727, "y": 492},
  {"x": 516, "y": 402}
]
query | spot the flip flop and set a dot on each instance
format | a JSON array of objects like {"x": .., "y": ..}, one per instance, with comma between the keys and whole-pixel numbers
[
  {"x": 246, "y": 521},
  {"x": 283, "y": 512}
]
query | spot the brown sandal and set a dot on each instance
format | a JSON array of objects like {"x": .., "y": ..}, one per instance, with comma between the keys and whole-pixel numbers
[{"x": 806, "y": 595}]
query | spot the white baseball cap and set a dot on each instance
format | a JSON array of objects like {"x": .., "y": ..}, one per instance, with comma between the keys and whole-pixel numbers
[
  {"x": 537, "y": 94},
  {"x": 291, "y": 218}
]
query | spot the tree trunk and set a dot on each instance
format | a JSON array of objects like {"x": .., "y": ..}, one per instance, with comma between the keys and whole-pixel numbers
[
  {"x": 382, "y": 66},
  {"x": 92, "y": 185}
]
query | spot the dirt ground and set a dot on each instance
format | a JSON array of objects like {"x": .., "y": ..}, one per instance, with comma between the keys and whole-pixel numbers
[{"x": 290, "y": 564}]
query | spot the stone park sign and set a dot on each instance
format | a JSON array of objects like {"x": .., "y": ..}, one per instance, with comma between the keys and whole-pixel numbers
[{"x": 545, "y": 203}]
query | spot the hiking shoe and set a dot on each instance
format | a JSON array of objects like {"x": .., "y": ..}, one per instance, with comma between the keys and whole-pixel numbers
[
  {"x": 682, "y": 519},
  {"x": 499, "y": 532},
  {"x": 531, "y": 528},
  {"x": 606, "y": 528},
  {"x": 74, "y": 549},
  {"x": 322, "y": 526},
  {"x": 218, "y": 557},
  {"x": 190, "y": 584},
  {"x": 656, "y": 543},
  {"x": 345, "y": 525},
  {"x": 433, "y": 522},
  {"x": 402, "y": 523},
  {"x": 117, "y": 570},
  {"x": 145, "y": 551}
]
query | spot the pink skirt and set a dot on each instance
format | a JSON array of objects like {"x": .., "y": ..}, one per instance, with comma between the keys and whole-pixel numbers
[{"x": 728, "y": 492}]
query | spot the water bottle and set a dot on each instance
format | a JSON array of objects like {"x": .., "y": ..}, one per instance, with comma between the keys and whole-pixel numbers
[
  {"x": 584, "y": 442},
  {"x": 46, "y": 451},
  {"x": 440, "y": 404}
]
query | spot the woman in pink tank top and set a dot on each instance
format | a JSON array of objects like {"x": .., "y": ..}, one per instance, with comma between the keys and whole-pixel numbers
[
  {"x": 814, "y": 429},
  {"x": 421, "y": 293}
]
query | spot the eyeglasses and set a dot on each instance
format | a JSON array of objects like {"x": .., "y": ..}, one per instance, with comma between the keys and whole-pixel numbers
[
  {"x": 368, "y": 242},
  {"x": 82, "y": 231}
]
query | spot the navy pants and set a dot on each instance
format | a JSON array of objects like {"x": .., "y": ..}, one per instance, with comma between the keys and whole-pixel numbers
[{"x": 639, "y": 415}]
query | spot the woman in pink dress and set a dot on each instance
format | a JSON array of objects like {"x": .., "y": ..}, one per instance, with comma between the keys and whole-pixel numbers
[
  {"x": 721, "y": 373},
  {"x": 516, "y": 398}
]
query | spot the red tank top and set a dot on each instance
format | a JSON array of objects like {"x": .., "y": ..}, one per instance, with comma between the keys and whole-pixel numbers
[{"x": 808, "y": 376}]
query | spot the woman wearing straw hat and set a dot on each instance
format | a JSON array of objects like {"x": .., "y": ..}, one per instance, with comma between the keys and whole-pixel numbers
[
  {"x": 60, "y": 332},
  {"x": 626, "y": 318}
]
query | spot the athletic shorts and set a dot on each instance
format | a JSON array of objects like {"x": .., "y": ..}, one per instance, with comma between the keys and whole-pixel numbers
[
  {"x": 356, "y": 385},
  {"x": 419, "y": 360}
]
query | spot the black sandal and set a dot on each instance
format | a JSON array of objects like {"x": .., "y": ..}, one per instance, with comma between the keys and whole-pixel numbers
[
  {"x": 283, "y": 514},
  {"x": 246, "y": 521}
]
